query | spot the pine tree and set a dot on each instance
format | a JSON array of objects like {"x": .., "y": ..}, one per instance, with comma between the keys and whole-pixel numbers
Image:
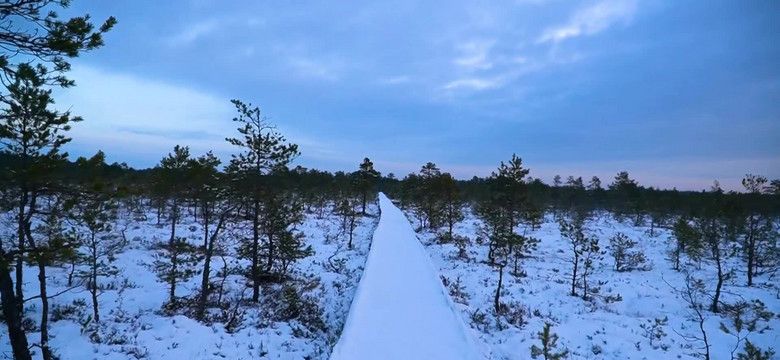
[
  {"x": 549, "y": 349},
  {"x": 574, "y": 232},
  {"x": 263, "y": 151},
  {"x": 626, "y": 193},
  {"x": 503, "y": 211},
  {"x": 34, "y": 37},
  {"x": 174, "y": 263},
  {"x": 284, "y": 245},
  {"x": 687, "y": 240},
  {"x": 622, "y": 250},
  {"x": 349, "y": 218},
  {"x": 758, "y": 228},
  {"x": 429, "y": 207},
  {"x": 52, "y": 247},
  {"x": 34, "y": 134},
  {"x": 216, "y": 211},
  {"x": 453, "y": 206},
  {"x": 96, "y": 211},
  {"x": 366, "y": 179},
  {"x": 510, "y": 189}
]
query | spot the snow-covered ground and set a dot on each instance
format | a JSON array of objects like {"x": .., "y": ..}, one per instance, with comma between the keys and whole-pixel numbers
[
  {"x": 401, "y": 310},
  {"x": 400, "y": 287},
  {"x": 603, "y": 331},
  {"x": 132, "y": 327}
]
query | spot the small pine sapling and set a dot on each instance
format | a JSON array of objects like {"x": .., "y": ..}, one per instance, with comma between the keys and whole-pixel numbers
[
  {"x": 549, "y": 349},
  {"x": 653, "y": 330},
  {"x": 746, "y": 318},
  {"x": 753, "y": 352}
]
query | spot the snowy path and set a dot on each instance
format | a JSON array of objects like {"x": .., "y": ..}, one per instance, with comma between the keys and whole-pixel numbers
[{"x": 401, "y": 309}]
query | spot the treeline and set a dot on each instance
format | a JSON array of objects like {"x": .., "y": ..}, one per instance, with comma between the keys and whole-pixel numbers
[{"x": 622, "y": 195}]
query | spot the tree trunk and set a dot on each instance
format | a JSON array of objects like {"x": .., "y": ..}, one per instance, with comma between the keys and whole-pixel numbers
[
  {"x": 71, "y": 273},
  {"x": 255, "y": 252},
  {"x": 721, "y": 278},
  {"x": 47, "y": 354},
  {"x": 365, "y": 199},
  {"x": 93, "y": 283},
  {"x": 585, "y": 283},
  {"x": 351, "y": 230},
  {"x": 174, "y": 251},
  {"x": 21, "y": 245},
  {"x": 652, "y": 226},
  {"x": 209, "y": 252},
  {"x": 497, "y": 298},
  {"x": 13, "y": 319},
  {"x": 574, "y": 274},
  {"x": 450, "y": 222},
  {"x": 751, "y": 257},
  {"x": 751, "y": 248}
]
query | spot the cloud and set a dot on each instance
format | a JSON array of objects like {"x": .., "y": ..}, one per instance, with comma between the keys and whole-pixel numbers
[
  {"x": 475, "y": 55},
  {"x": 142, "y": 119},
  {"x": 191, "y": 33},
  {"x": 473, "y": 84},
  {"x": 195, "y": 31},
  {"x": 592, "y": 20},
  {"x": 403, "y": 79},
  {"x": 314, "y": 69}
]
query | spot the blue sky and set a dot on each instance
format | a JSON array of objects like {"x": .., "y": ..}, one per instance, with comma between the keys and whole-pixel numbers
[{"x": 678, "y": 93}]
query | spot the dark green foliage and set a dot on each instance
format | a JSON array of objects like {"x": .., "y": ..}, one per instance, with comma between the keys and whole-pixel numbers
[
  {"x": 33, "y": 29},
  {"x": 504, "y": 210},
  {"x": 653, "y": 330},
  {"x": 427, "y": 197},
  {"x": 626, "y": 258},
  {"x": 95, "y": 209},
  {"x": 452, "y": 205},
  {"x": 753, "y": 352},
  {"x": 573, "y": 230},
  {"x": 745, "y": 318},
  {"x": 687, "y": 240},
  {"x": 549, "y": 349},
  {"x": 284, "y": 243},
  {"x": 349, "y": 218},
  {"x": 174, "y": 263},
  {"x": 628, "y": 197}
]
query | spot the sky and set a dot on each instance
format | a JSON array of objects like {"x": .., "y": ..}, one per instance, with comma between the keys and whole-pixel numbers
[{"x": 677, "y": 93}]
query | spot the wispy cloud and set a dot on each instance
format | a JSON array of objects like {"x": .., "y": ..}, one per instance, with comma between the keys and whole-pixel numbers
[
  {"x": 592, "y": 20},
  {"x": 310, "y": 68},
  {"x": 195, "y": 31},
  {"x": 474, "y": 84},
  {"x": 403, "y": 79},
  {"x": 191, "y": 33},
  {"x": 475, "y": 55}
]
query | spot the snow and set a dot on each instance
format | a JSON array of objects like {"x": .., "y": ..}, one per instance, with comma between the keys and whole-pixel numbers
[
  {"x": 401, "y": 309},
  {"x": 594, "y": 331},
  {"x": 132, "y": 326}
]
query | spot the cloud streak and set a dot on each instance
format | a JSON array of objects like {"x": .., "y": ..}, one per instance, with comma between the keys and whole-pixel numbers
[
  {"x": 591, "y": 20},
  {"x": 193, "y": 32}
]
